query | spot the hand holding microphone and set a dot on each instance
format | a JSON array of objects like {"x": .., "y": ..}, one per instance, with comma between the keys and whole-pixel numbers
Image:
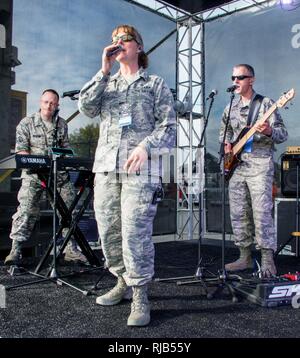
[
  {"x": 109, "y": 56},
  {"x": 114, "y": 51}
]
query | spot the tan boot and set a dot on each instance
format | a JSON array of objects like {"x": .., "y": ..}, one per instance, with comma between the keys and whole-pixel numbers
[
  {"x": 243, "y": 262},
  {"x": 140, "y": 308},
  {"x": 15, "y": 255},
  {"x": 72, "y": 254},
  {"x": 268, "y": 268},
  {"x": 118, "y": 293}
]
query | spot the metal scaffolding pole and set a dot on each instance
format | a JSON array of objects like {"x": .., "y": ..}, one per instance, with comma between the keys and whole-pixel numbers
[
  {"x": 190, "y": 121},
  {"x": 190, "y": 115}
]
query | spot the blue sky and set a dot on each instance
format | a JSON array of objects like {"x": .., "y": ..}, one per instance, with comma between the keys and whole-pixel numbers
[
  {"x": 60, "y": 44},
  {"x": 265, "y": 40}
]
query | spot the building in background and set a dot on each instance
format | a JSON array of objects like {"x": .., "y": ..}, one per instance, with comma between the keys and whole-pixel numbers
[
  {"x": 8, "y": 60},
  {"x": 18, "y": 102}
]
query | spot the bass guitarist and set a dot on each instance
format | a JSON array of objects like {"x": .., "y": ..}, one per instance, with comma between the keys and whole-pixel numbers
[{"x": 250, "y": 185}]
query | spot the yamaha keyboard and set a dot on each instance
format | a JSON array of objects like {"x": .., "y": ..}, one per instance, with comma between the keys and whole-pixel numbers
[{"x": 43, "y": 162}]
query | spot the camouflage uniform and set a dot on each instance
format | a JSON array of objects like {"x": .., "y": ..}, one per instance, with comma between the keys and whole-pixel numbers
[
  {"x": 250, "y": 187},
  {"x": 34, "y": 136},
  {"x": 123, "y": 204}
]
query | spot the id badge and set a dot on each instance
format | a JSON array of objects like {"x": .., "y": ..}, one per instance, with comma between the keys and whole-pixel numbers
[
  {"x": 248, "y": 145},
  {"x": 125, "y": 119}
]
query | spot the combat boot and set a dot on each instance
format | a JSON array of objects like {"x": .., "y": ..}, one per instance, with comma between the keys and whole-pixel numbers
[
  {"x": 243, "y": 262},
  {"x": 140, "y": 307},
  {"x": 118, "y": 293},
  {"x": 268, "y": 268},
  {"x": 15, "y": 255},
  {"x": 72, "y": 254}
]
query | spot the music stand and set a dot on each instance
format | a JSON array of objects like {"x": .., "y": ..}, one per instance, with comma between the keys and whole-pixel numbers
[{"x": 295, "y": 234}]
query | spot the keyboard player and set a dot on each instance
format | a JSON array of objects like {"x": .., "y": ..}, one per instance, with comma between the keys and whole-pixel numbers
[{"x": 34, "y": 135}]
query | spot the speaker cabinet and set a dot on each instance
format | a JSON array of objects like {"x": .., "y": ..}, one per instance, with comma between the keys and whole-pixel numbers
[
  {"x": 214, "y": 217},
  {"x": 165, "y": 221},
  {"x": 289, "y": 164},
  {"x": 285, "y": 223},
  {"x": 213, "y": 205}
]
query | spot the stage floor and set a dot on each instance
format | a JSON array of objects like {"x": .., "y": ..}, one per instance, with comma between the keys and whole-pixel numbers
[{"x": 47, "y": 310}]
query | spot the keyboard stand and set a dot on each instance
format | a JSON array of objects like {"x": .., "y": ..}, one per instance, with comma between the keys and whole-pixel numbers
[
  {"x": 67, "y": 221},
  {"x": 72, "y": 223}
]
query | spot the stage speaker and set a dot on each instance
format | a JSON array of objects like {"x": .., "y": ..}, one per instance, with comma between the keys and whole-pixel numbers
[
  {"x": 285, "y": 223},
  {"x": 213, "y": 205},
  {"x": 214, "y": 217},
  {"x": 289, "y": 163},
  {"x": 165, "y": 221}
]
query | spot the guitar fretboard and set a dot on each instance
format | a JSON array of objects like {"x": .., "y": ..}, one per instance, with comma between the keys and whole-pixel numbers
[{"x": 238, "y": 147}]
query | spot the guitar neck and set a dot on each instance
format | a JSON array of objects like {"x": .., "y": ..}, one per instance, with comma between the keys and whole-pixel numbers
[{"x": 238, "y": 147}]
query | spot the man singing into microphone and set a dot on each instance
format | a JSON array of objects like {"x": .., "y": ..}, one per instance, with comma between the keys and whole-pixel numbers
[
  {"x": 34, "y": 135},
  {"x": 250, "y": 187},
  {"x": 136, "y": 119}
]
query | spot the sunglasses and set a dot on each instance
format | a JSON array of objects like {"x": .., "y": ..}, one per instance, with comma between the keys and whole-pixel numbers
[
  {"x": 124, "y": 38},
  {"x": 240, "y": 78}
]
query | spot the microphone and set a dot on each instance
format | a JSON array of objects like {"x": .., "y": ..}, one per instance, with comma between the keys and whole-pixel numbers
[
  {"x": 231, "y": 88},
  {"x": 114, "y": 51},
  {"x": 55, "y": 113},
  {"x": 55, "y": 119},
  {"x": 213, "y": 93},
  {"x": 70, "y": 93}
]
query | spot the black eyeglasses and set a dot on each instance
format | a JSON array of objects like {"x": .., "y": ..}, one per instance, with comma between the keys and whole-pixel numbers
[{"x": 240, "y": 78}]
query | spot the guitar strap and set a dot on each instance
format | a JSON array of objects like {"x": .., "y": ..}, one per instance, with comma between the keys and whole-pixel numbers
[
  {"x": 252, "y": 117},
  {"x": 254, "y": 109}
]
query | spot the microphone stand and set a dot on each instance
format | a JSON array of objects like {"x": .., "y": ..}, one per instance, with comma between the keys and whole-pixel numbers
[
  {"x": 224, "y": 278},
  {"x": 53, "y": 171},
  {"x": 201, "y": 267},
  {"x": 199, "y": 274}
]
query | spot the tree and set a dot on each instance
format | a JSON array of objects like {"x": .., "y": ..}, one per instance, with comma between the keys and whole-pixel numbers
[{"x": 84, "y": 140}]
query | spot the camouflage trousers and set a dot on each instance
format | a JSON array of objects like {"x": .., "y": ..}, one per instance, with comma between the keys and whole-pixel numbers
[
  {"x": 28, "y": 211},
  {"x": 251, "y": 202},
  {"x": 124, "y": 212}
]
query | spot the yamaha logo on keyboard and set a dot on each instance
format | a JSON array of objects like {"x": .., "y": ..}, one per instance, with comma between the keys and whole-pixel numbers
[{"x": 25, "y": 160}]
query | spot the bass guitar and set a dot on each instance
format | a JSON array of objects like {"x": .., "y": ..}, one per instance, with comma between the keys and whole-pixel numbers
[{"x": 232, "y": 159}]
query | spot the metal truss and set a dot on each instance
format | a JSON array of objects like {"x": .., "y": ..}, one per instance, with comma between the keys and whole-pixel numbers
[
  {"x": 190, "y": 92},
  {"x": 161, "y": 8},
  {"x": 235, "y": 6},
  {"x": 173, "y": 13}
]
